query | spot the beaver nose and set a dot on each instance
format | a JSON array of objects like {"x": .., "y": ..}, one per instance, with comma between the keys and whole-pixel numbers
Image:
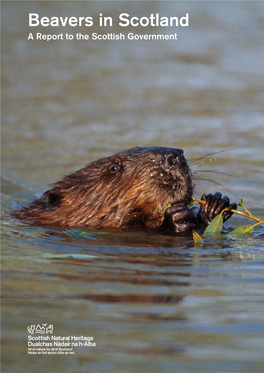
[
  {"x": 174, "y": 156},
  {"x": 171, "y": 152}
]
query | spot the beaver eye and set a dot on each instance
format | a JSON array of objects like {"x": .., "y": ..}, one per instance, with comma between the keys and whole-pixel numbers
[{"x": 115, "y": 168}]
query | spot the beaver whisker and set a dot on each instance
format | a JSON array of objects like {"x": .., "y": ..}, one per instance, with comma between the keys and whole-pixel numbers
[
  {"x": 207, "y": 181},
  {"x": 205, "y": 160},
  {"x": 192, "y": 146},
  {"x": 216, "y": 172},
  {"x": 207, "y": 155}
]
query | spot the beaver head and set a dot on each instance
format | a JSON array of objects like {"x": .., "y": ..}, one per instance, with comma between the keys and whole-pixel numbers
[{"x": 130, "y": 188}]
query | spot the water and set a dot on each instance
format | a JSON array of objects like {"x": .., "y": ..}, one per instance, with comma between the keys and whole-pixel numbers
[{"x": 152, "y": 302}]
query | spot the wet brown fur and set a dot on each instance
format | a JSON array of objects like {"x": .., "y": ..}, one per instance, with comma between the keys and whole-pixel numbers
[{"x": 130, "y": 188}]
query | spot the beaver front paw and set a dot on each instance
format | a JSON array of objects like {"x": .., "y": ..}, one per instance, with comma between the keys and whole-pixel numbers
[
  {"x": 214, "y": 205},
  {"x": 179, "y": 218}
]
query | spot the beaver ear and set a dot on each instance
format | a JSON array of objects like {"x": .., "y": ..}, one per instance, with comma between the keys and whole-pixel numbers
[{"x": 51, "y": 200}]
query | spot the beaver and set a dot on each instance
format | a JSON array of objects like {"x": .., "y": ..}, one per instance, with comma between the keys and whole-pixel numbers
[{"x": 132, "y": 188}]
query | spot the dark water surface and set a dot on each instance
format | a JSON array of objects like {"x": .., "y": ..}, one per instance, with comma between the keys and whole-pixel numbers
[{"x": 152, "y": 302}]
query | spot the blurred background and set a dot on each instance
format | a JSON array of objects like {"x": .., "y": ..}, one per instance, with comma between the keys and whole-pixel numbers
[{"x": 152, "y": 302}]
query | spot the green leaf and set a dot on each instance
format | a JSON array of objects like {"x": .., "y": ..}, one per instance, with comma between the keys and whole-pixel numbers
[
  {"x": 168, "y": 206},
  {"x": 191, "y": 203},
  {"x": 197, "y": 239},
  {"x": 215, "y": 227},
  {"x": 240, "y": 231},
  {"x": 241, "y": 203}
]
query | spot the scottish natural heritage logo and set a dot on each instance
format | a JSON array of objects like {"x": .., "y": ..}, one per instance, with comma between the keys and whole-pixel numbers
[
  {"x": 54, "y": 344},
  {"x": 44, "y": 329}
]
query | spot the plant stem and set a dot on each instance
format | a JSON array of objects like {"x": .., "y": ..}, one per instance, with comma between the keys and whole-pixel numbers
[{"x": 247, "y": 215}]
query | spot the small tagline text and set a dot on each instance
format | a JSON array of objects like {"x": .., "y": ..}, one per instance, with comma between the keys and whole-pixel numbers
[{"x": 97, "y": 36}]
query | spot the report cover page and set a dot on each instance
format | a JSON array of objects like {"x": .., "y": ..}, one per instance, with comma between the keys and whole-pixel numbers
[{"x": 132, "y": 186}]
